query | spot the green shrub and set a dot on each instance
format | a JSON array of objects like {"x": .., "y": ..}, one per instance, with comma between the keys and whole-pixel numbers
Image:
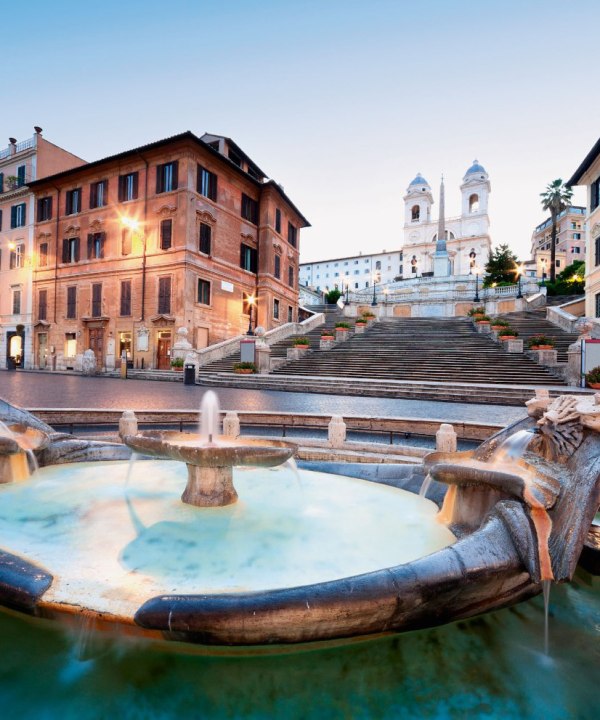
[
  {"x": 245, "y": 366},
  {"x": 300, "y": 341},
  {"x": 507, "y": 332},
  {"x": 540, "y": 340},
  {"x": 343, "y": 325},
  {"x": 593, "y": 376},
  {"x": 333, "y": 296},
  {"x": 476, "y": 311},
  {"x": 177, "y": 362},
  {"x": 499, "y": 322}
]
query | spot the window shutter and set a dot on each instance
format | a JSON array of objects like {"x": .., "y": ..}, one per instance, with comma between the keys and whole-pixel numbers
[
  {"x": 90, "y": 247},
  {"x": 0, "y": 217},
  {"x": 135, "y": 186},
  {"x": 76, "y": 249},
  {"x": 175, "y": 174},
  {"x": 49, "y": 209},
  {"x": 24, "y": 214},
  {"x": 213, "y": 186},
  {"x": 121, "y": 189},
  {"x": 1, "y": 182},
  {"x": 39, "y": 209},
  {"x": 159, "y": 178},
  {"x": 93, "y": 195},
  {"x": 65, "y": 251},
  {"x": 13, "y": 216},
  {"x": 102, "y": 241}
]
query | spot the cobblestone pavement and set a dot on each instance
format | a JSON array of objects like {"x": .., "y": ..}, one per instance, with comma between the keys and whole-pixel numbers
[{"x": 31, "y": 390}]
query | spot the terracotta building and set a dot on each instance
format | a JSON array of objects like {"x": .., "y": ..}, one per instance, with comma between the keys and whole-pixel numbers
[
  {"x": 570, "y": 243},
  {"x": 20, "y": 164},
  {"x": 183, "y": 232}
]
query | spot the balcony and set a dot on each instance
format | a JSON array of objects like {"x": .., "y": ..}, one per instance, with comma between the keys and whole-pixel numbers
[{"x": 13, "y": 150}]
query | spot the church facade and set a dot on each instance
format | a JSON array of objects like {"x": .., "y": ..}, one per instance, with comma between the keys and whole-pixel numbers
[{"x": 467, "y": 236}]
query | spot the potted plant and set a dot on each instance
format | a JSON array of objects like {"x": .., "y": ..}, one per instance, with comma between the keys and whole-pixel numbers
[
  {"x": 540, "y": 342},
  {"x": 507, "y": 333},
  {"x": 593, "y": 378},
  {"x": 301, "y": 342},
  {"x": 361, "y": 321},
  {"x": 499, "y": 324},
  {"x": 343, "y": 326},
  {"x": 476, "y": 311},
  {"x": 12, "y": 181},
  {"x": 244, "y": 368},
  {"x": 482, "y": 319},
  {"x": 326, "y": 334},
  {"x": 368, "y": 315},
  {"x": 177, "y": 364}
]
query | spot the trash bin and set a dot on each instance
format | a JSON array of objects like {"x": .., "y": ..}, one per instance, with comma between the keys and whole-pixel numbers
[
  {"x": 10, "y": 363},
  {"x": 189, "y": 374}
]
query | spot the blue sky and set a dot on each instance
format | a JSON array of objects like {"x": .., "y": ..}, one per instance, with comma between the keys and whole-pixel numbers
[{"x": 340, "y": 101}]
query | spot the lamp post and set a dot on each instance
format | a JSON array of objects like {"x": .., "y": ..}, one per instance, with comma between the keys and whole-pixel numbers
[
  {"x": 385, "y": 295},
  {"x": 519, "y": 273},
  {"x": 543, "y": 283},
  {"x": 375, "y": 278},
  {"x": 476, "y": 298},
  {"x": 251, "y": 300},
  {"x": 347, "y": 280}
]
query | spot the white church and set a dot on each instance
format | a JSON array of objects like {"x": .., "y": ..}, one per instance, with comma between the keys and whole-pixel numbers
[{"x": 467, "y": 240}]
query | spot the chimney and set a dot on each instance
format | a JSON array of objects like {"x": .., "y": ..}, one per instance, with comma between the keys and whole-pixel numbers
[{"x": 12, "y": 145}]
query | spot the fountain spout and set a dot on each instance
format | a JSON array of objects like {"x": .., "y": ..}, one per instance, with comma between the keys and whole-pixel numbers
[{"x": 17, "y": 443}]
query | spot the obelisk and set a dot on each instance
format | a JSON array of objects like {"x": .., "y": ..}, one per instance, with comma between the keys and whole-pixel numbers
[{"x": 441, "y": 260}]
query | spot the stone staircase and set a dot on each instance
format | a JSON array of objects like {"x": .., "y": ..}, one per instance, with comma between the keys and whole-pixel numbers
[
  {"x": 420, "y": 350},
  {"x": 534, "y": 323},
  {"x": 279, "y": 350}
]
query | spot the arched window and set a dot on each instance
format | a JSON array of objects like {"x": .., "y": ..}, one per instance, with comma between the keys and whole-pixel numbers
[
  {"x": 378, "y": 265},
  {"x": 415, "y": 213},
  {"x": 474, "y": 203}
]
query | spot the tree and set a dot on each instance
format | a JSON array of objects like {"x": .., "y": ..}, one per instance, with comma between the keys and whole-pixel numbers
[
  {"x": 501, "y": 266},
  {"x": 555, "y": 198},
  {"x": 333, "y": 296},
  {"x": 571, "y": 281}
]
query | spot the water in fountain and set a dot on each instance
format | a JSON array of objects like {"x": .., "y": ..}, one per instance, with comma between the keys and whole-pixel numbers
[
  {"x": 22, "y": 464},
  {"x": 546, "y": 586},
  {"x": 425, "y": 485},
  {"x": 209, "y": 417}
]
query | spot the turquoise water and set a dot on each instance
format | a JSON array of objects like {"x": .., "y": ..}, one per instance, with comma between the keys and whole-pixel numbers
[{"x": 489, "y": 667}]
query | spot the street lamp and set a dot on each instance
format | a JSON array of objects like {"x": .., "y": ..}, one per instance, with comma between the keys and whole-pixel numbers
[
  {"x": 375, "y": 278},
  {"x": 477, "y": 271},
  {"x": 519, "y": 273},
  {"x": 385, "y": 295},
  {"x": 543, "y": 283},
  {"x": 347, "y": 281},
  {"x": 251, "y": 300}
]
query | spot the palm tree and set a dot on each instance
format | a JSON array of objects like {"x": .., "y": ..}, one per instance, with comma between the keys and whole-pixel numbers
[{"x": 555, "y": 198}]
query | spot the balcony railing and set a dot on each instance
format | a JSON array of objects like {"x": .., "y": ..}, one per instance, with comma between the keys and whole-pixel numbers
[{"x": 12, "y": 150}]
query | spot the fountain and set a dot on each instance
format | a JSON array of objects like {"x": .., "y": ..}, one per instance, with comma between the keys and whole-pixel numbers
[{"x": 517, "y": 514}]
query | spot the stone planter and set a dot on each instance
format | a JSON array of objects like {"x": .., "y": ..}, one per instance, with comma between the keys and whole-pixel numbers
[
  {"x": 297, "y": 351},
  {"x": 359, "y": 328},
  {"x": 176, "y": 368},
  {"x": 327, "y": 342},
  {"x": 483, "y": 326},
  {"x": 542, "y": 347},
  {"x": 594, "y": 386},
  {"x": 514, "y": 346},
  {"x": 243, "y": 371},
  {"x": 341, "y": 334},
  {"x": 545, "y": 357}
]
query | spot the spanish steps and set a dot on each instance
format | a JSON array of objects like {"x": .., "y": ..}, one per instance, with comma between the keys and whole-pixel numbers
[
  {"x": 447, "y": 350},
  {"x": 534, "y": 323}
]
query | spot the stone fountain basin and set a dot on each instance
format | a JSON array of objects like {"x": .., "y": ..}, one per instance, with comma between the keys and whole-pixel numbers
[
  {"x": 25, "y": 438},
  {"x": 223, "y": 451}
]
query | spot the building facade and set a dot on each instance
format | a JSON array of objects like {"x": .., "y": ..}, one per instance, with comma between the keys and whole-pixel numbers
[
  {"x": 20, "y": 164},
  {"x": 570, "y": 243},
  {"x": 588, "y": 174},
  {"x": 468, "y": 240},
  {"x": 354, "y": 272},
  {"x": 184, "y": 232}
]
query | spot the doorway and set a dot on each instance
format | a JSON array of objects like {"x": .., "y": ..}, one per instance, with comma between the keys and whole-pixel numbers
[
  {"x": 201, "y": 337},
  {"x": 96, "y": 336},
  {"x": 42, "y": 358},
  {"x": 163, "y": 360},
  {"x": 15, "y": 342}
]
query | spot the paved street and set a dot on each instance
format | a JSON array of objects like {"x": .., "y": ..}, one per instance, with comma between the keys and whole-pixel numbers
[{"x": 31, "y": 390}]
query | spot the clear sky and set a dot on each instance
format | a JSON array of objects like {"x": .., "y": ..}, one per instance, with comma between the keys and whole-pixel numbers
[{"x": 340, "y": 101}]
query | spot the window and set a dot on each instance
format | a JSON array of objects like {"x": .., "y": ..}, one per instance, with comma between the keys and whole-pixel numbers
[
  {"x": 18, "y": 214},
  {"x": 249, "y": 209},
  {"x": 575, "y": 250},
  {"x": 16, "y": 301},
  {"x": 95, "y": 246},
  {"x": 128, "y": 187},
  {"x": 17, "y": 256},
  {"x": 43, "y": 255},
  {"x": 0, "y": 217},
  {"x": 71, "y": 302},
  {"x": 597, "y": 253},
  {"x": 576, "y": 236},
  {"x": 21, "y": 176},
  {"x": 203, "y": 292},
  {"x": 292, "y": 234},
  {"x": 356, "y": 286},
  {"x": 595, "y": 194},
  {"x": 1, "y": 182},
  {"x": 206, "y": 183},
  {"x": 205, "y": 238},
  {"x": 73, "y": 202},
  {"x": 164, "y": 295},
  {"x": 98, "y": 194},
  {"x": 277, "y": 220},
  {"x": 378, "y": 265},
  {"x": 291, "y": 277},
  {"x": 70, "y": 250},
  {"x": 44, "y": 209},
  {"x": 166, "y": 230},
  {"x": 96, "y": 299},
  {"x": 277, "y": 268},
  {"x": 573, "y": 226},
  {"x": 166, "y": 176},
  {"x": 474, "y": 203},
  {"x": 249, "y": 258},
  {"x": 42, "y": 304},
  {"x": 415, "y": 213},
  {"x": 276, "y": 309},
  {"x": 126, "y": 241},
  {"x": 558, "y": 263},
  {"x": 597, "y": 304},
  {"x": 70, "y": 345},
  {"x": 125, "y": 306}
]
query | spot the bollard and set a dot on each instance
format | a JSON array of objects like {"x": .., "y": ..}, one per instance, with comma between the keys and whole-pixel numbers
[
  {"x": 336, "y": 431},
  {"x": 128, "y": 424},
  {"x": 445, "y": 438},
  {"x": 231, "y": 424}
]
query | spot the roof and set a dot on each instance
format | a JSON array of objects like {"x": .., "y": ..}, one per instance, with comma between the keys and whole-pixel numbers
[
  {"x": 352, "y": 257},
  {"x": 585, "y": 165},
  {"x": 187, "y": 135},
  {"x": 475, "y": 168},
  {"x": 419, "y": 180}
]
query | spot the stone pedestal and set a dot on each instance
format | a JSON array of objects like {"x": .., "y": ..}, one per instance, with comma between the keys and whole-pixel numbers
[
  {"x": 513, "y": 346},
  {"x": 326, "y": 344},
  {"x": 88, "y": 363},
  {"x": 231, "y": 424},
  {"x": 445, "y": 438},
  {"x": 336, "y": 431},
  {"x": 484, "y": 328},
  {"x": 359, "y": 329},
  {"x": 263, "y": 358},
  {"x": 209, "y": 486},
  {"x": 181, "y": 346},
  {"x": 341, "y": 334},
  {"x": 296, "y": 352},
  {"x": 573, "y": 371},
  {"x": 128, "y": 424},
  {"x": 545, "y": 357}
]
